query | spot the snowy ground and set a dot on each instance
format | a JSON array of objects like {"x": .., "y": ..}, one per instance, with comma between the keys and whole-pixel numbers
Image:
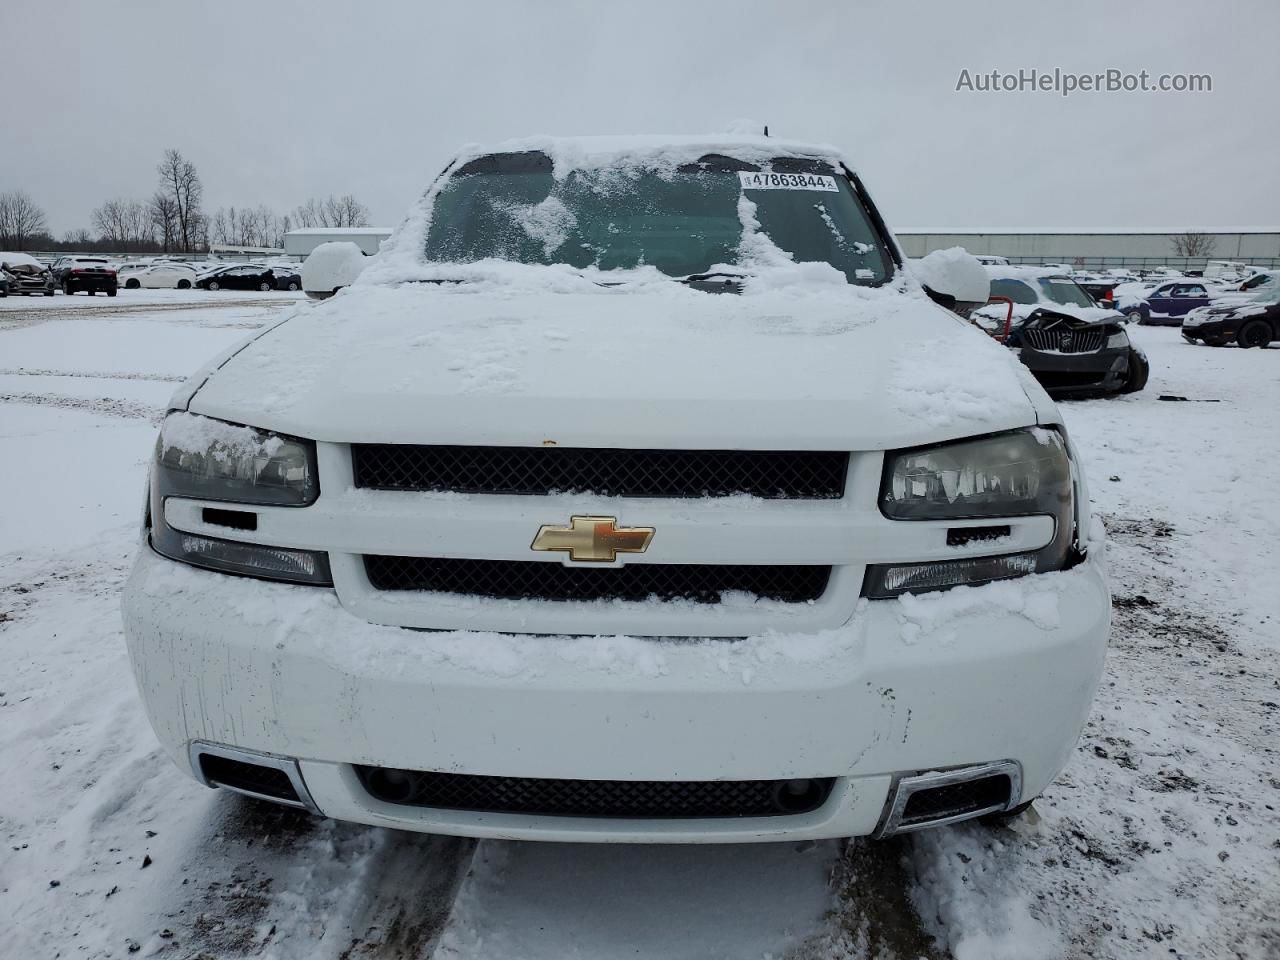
[{"x": 1162, "y": 838}]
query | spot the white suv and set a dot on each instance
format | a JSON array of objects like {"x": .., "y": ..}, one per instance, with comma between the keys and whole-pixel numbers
[{"x": 635, "y": 492}]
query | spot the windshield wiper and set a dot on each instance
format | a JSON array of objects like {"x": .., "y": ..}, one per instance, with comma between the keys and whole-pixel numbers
[{"x": 715, "y": 275}]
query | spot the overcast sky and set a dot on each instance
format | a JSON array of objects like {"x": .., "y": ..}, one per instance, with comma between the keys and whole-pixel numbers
[{"x": 275, "y": 102}]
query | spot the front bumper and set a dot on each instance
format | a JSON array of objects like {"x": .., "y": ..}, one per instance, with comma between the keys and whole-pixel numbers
[
  {"x": 1216, "y": 329},
  {"x": 1003, "y": 672},
  {"x": 1102, "y": 371}
]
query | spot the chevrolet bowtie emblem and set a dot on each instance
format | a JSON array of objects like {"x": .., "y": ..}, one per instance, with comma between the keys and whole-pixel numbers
[{"x": 597, "y": 539}]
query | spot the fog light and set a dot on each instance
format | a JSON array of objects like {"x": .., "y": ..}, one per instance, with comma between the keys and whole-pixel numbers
[
  {"x": 248, "y": 559},
  {"x": 887, "y": 581}
]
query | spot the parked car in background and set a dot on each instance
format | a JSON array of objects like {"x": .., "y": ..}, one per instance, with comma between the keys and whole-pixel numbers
[
  {"x": 1101, "y": 288},
  {"x": 164, "y": 274},
  {"x": 1263, "y": 278},
  {"x": 26, "y": 275},
  {"x": 1251, "y": 322},
  {"x": 1167, "y": 303},
  {"x": 243, "y": 276},
  {"x": 287, "y": 278},
  {"x": 90, "y": 274},
  {"x": 1226, "y": 268},
  {"x": 990, "y": 260},
  {"x": 1071, "y": 345}
]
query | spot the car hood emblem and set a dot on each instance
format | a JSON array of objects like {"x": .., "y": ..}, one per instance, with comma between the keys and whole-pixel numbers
[{"x": 593, "y": 539}]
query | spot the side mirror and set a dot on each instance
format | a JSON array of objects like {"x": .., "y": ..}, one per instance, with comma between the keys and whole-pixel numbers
[{"x": 953, "y": 278}]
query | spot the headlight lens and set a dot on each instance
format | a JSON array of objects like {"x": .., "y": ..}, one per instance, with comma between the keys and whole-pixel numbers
[
  {"x": 1118, "y": 339},
  {"x": 208, "y": 459},
  {"x": 204, "y": 459},
  {"x": 1020, "y": 473}
]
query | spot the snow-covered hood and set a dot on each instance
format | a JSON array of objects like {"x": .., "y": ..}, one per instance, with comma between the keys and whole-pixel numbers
[{"x": 645, "y": 366}]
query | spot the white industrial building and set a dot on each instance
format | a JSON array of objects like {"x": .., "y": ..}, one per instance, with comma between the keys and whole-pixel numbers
[{"x": 1095, "y": 249}]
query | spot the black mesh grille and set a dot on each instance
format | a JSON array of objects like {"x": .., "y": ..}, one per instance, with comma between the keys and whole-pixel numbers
[
  {"x": 266, "y": 781},
  {"x": 957, "y": 798},
  {"x": 606, "y": 472},
  {"x": 631, "y": 799},
  {"x": 1064, "y": 339},
  {"x": 532, "y": 580}
]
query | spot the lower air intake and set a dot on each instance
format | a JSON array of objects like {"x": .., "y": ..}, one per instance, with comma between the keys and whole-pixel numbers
[
  {"x": 948, "y": 796},
  {"x": 249, "y": 778},
  {"x": 619, "y": 799}
]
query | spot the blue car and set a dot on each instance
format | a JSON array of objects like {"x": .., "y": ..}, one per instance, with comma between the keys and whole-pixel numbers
[{"x": 1167, "y": 303}]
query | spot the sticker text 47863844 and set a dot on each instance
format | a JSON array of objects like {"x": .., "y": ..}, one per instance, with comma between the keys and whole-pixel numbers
[{"x": 764, "y": 180}]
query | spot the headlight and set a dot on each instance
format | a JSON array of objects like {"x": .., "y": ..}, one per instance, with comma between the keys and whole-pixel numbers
[
  {"x": 200, "y": 458},
  {"x": 1016, "y": 474},
  {"x": 1118, "y": 339},
  {"x": 211, "y": 460}
]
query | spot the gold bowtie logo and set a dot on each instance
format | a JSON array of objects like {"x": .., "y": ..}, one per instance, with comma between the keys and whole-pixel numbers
[{"x": 593, "y": 539}]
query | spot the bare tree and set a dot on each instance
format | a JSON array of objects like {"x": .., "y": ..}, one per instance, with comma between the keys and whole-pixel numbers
[
  {"x": 79, "y": 239},
  {"x": 344, "y": 211},
  {"x": 181, "y": 183},
  {"x": 1192, "y": 244},
  {"x": 163, "y": 211},
  {"x": 21, "y": 221},
  {"x": 124, "y": 225}
]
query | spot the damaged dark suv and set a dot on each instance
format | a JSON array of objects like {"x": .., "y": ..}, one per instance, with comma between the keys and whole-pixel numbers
[{"x": 1069, "y": 343}]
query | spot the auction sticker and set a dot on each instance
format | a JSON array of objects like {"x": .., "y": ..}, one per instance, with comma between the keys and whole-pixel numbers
[{"x": 764, "y": 180}]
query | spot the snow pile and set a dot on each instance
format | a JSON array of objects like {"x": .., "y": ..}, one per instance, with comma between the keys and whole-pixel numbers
[
  {"x": 955, "y": 273},
  {"x": 935, "y": 617},
  {"x": 331, "y": 266}
]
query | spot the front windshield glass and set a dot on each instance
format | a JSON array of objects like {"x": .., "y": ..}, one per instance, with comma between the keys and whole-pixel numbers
[
  {"x": 1268, "y": 294},
  {"x": 682, "y": 221},
  {"x": 1066, "y": 292}
]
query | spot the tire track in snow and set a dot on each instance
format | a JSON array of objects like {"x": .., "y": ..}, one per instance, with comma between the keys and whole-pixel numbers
[
  {"x": 268, "y": 881},
  {"x": 92, "y": 375},
  {"x": 105, "y": 406}
]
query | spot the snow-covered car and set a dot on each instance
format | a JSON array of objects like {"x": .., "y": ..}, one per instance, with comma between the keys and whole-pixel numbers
[
  {"x": 1252, "y": 320},
  {"x": 163, "y": 274},
  {"x": 26, "y": 275},
  {"x": 330, "y": 267},
  {"x": 1167, "y": 303},
  {"x": 634, "y": 492},
  {"x": 90, "y": 274},
  {"x": 1069, "y": 343}
]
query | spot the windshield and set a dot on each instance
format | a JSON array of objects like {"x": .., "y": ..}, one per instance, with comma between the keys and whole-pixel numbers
[
  {"x": 682, "y": 221},
  {"x": 1066, "y": 292},
  {"x": 1054, "y": 289},
  {"x": 1267, "y": 294}
]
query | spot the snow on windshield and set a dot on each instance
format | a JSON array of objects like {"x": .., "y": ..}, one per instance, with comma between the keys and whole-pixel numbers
[{"x": 625, "y": 205}]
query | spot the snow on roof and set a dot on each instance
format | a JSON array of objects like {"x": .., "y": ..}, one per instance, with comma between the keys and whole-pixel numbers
[
  {"x": 20, "y": 260},
  {"x": 1014, "y": 271},
  {"x": 578, "y": 153}
]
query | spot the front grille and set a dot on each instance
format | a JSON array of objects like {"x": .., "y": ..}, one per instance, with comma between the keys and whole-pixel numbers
[
  {"x": 1064, "y": 340},
  {"x": 937, "y": 803},
  {"x": 775, "y": 474},
  {"x": 533, "y": 580},
  {"x": 628, "y": 799}
]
